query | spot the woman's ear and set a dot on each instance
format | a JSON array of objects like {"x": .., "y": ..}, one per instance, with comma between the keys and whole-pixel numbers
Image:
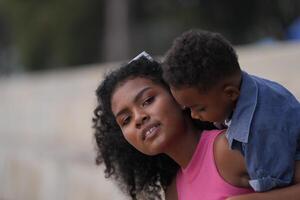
[{"x": 232, "y": 92}]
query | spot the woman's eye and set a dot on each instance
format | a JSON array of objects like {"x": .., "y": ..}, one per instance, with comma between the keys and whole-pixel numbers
[
  {"x": 148, "y": 101},
  {"x": 125, "y": 121}
]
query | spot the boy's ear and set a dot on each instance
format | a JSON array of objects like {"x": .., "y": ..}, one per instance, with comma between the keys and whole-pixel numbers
[{"x": 232, "y": 92}]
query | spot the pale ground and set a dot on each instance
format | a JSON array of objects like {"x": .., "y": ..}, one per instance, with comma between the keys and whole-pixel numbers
[{"x": 46, "y": 146}]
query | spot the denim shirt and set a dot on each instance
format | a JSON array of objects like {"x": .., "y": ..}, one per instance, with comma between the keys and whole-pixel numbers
[{"x": 265, "y": 127}]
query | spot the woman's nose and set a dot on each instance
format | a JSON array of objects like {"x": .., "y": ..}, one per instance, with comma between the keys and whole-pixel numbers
[{"x": 141, "y": 118}]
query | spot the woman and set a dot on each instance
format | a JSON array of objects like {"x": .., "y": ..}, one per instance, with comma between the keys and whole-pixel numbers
[{"x": 148, "y": 143}]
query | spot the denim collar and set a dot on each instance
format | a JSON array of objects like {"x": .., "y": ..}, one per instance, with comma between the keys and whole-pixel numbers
[{"x": 242, "y": 116}]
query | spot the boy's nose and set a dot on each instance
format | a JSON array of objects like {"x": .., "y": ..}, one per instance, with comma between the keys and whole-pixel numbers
[{"x": 195, "y": 115}]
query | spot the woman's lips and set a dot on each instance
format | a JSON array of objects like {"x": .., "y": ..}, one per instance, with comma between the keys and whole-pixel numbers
[{"x": 151, "y": 131}]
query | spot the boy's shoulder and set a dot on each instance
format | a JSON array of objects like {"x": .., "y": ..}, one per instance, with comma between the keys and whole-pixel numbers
[
  {"x": 273, "y": 104},
  {"x": 264, "y": 103},
  {"x": 268, "y": 91}
]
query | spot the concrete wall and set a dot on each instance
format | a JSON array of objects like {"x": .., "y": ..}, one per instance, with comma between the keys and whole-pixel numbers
[{"x": 46, "y": 146}]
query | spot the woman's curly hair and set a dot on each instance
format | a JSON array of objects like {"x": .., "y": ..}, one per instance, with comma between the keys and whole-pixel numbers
[{"x": 136, "y": 174}]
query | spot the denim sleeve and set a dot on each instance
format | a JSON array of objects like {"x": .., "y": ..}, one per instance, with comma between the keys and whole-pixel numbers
[
  {"x": 297, "y": 155},
  {"x": 270, "y": 160},
  {"x": 267, "y": 183}
]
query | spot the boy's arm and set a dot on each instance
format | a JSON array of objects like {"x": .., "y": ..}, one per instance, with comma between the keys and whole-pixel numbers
[{"x": 290, "y": 192}]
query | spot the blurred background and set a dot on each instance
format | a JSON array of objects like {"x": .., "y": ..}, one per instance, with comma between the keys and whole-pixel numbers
[{"x": 53, "y": 55}]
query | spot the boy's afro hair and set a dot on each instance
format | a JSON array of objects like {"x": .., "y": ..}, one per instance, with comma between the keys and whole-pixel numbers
[{"x": 199, "y": 59}]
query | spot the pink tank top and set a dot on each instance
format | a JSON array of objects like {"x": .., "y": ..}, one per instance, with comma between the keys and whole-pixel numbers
[{"x": 200, "y": 180}]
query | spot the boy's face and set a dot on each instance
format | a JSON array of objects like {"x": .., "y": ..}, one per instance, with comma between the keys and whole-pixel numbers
[{"x": 213, "y": 105}]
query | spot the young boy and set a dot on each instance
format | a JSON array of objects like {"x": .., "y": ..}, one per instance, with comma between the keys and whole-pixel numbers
[{"x": 262, "y": 117}]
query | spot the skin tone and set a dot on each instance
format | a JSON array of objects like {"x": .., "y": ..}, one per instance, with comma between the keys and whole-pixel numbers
[
  {"x": 231, "y": 166},
  {"x": 152, "y": 121},
  {"x": 290, "y": 193},
  {"x": 214, "y": 105}
]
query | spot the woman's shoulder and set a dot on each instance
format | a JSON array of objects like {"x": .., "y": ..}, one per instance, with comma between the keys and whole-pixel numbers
[
  {"x": 211, "y": 133},
  {"x": 230, "y": 163}
]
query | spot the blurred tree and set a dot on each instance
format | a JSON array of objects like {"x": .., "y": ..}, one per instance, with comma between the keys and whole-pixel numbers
[
  {"x": 54, "y": 33},
  {"x": 248, "y": 21},
  {"x": 154, "y": 24},
  {"x": 116, "y": 30},
  {"x": 4, "y": 46},
  {"x": 58, "y": 33}
]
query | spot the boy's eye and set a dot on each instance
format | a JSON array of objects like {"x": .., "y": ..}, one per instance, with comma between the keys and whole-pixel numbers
[
  {"x": 201, "y": 109},
  {"x": 148, "y": 101},
  {"x": 185, "y": 108}
]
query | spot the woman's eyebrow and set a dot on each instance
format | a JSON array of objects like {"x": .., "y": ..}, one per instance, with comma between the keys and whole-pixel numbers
[
  {"x": 140, "y": 94},
  {"x": 121, "y": 112},
  {"x": 135, "y": 99}
]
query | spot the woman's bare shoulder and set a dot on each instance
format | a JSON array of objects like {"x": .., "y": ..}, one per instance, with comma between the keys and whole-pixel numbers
[{"x": 230, "y": 163}]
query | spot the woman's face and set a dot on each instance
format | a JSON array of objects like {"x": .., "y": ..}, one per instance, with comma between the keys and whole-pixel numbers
[{"x": 148, "y": 115}]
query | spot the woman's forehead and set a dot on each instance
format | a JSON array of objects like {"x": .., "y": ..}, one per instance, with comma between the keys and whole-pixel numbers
[
  {"x": 135, "y": 83},
  {"x": 128, "y": 90}
]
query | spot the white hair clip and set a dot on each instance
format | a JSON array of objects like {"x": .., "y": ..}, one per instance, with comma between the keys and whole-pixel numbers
[{"x": 143, "y": 54}]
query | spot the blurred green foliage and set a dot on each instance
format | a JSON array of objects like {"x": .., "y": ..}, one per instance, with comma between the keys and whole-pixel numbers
[{"x": 59, "y": 33}]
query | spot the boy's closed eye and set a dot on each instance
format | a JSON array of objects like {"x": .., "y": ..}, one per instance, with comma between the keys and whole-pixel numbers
[
  {"x": 200, "y": 109},
  {"x": 184, "y": 108},
  {"x": 194, "y": 108}
]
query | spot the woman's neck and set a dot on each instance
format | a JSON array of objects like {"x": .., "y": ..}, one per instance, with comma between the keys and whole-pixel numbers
[{"x": 183, "y": 148}]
